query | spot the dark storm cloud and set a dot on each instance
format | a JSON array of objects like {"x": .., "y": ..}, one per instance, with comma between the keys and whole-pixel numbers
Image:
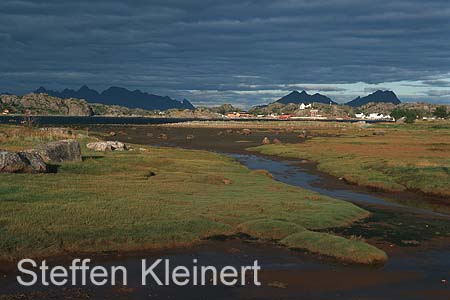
[{"x": 194, "y": 48}]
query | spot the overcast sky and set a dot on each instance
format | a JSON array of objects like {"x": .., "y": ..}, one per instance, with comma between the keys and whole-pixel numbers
[{"x": 238, "y": 51}]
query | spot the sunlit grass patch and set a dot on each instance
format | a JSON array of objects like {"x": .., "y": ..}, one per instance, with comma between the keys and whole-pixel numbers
[
  {"x": 351, "y": 250},
  {"x": 405, "y": 157},
  {"x": 269, "y": 229},
  {"x": 108, "y": 202}
]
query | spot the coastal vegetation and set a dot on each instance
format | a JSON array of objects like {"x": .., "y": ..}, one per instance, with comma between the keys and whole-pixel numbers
[
  {"x": 159, "y": 197},
  {"x": 391, "y": 157}
]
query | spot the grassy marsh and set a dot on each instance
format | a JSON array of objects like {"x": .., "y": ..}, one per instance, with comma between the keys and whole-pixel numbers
[
  {"x": 388, "y": 157},
  {"x": 109, "y": 203}
]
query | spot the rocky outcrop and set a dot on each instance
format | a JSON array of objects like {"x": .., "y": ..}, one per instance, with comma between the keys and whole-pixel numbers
[
  {"x": 21, "y": 162},
  {"x": 107, "y": 146},
  {"x": 59, "y": 151},
  {"x": 43, "y": 104}
]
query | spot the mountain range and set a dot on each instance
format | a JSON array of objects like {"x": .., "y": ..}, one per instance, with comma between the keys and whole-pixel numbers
[
  {"x": 377, "y": 97},
  {"x": 303, "y": 97},
  {"x": 121, "y": 96}
]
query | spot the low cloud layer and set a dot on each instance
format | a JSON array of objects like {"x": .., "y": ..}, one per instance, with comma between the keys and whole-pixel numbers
[{"x": 245, "y": 52}]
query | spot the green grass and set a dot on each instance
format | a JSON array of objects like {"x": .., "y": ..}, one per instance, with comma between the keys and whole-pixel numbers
[
  {"x": 351, "y": 250},
  {"x": 406, "y": 157},
  {"x": 109, "y": 203},
  {"x": 270, "y": 229}
]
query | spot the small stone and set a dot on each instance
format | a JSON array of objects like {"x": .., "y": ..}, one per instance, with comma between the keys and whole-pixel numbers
[
  {"x": 265, "y": 141},
  {"x": 276, "y": 141},
  {"x": 246, "y": 131},
  {"x": 226, "y": 181}
]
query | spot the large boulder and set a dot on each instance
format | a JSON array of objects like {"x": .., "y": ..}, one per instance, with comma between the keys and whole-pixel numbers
[
  {"x": 59, "y": 151},
  {"x": 21, "y": 162},
  {"x": 34, "y": 162},
  {"x": 11, "y": 162},
  {"x": 107, "y": 146}
]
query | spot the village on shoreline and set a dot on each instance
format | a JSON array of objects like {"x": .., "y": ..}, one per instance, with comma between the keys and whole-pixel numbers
[{"x": 379, "y": 106}]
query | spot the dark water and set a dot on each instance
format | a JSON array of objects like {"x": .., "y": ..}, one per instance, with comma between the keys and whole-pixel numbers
[
  {"x": 60, "y": 120},
  {"x": 99, "y": 120},
  {"x": 292, "y": 173},
  {"x": 415, "y": 277}
]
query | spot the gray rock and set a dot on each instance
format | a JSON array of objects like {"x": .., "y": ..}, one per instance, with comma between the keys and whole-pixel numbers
[
  {"x": 401, "y": 120},
  {"x": 107, "y": 146},
  {"x": 59, "y": 151},
  {"x": 21, "y": 162},
  {"x": 11, "y": 162},
  {"x": 246, "y": 131},
  {"x": 33, "y": 162},
  {"x": 276, "y": 141}
]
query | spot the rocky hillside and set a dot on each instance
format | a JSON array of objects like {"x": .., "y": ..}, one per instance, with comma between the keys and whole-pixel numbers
[{"x": 42, "y": 104}]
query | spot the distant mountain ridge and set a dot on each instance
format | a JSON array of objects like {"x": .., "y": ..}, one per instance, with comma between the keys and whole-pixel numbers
[
  {"x": 303, "y": 97},
  {"x": 120, "y": 96},
  {"x": 376, "y": 97}
]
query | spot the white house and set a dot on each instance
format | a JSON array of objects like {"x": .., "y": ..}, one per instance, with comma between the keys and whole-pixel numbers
[
  {"x": 360, "y": 115},
  {"x": 304, "y": 106},
  {"x": 379, "y": 116}
]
